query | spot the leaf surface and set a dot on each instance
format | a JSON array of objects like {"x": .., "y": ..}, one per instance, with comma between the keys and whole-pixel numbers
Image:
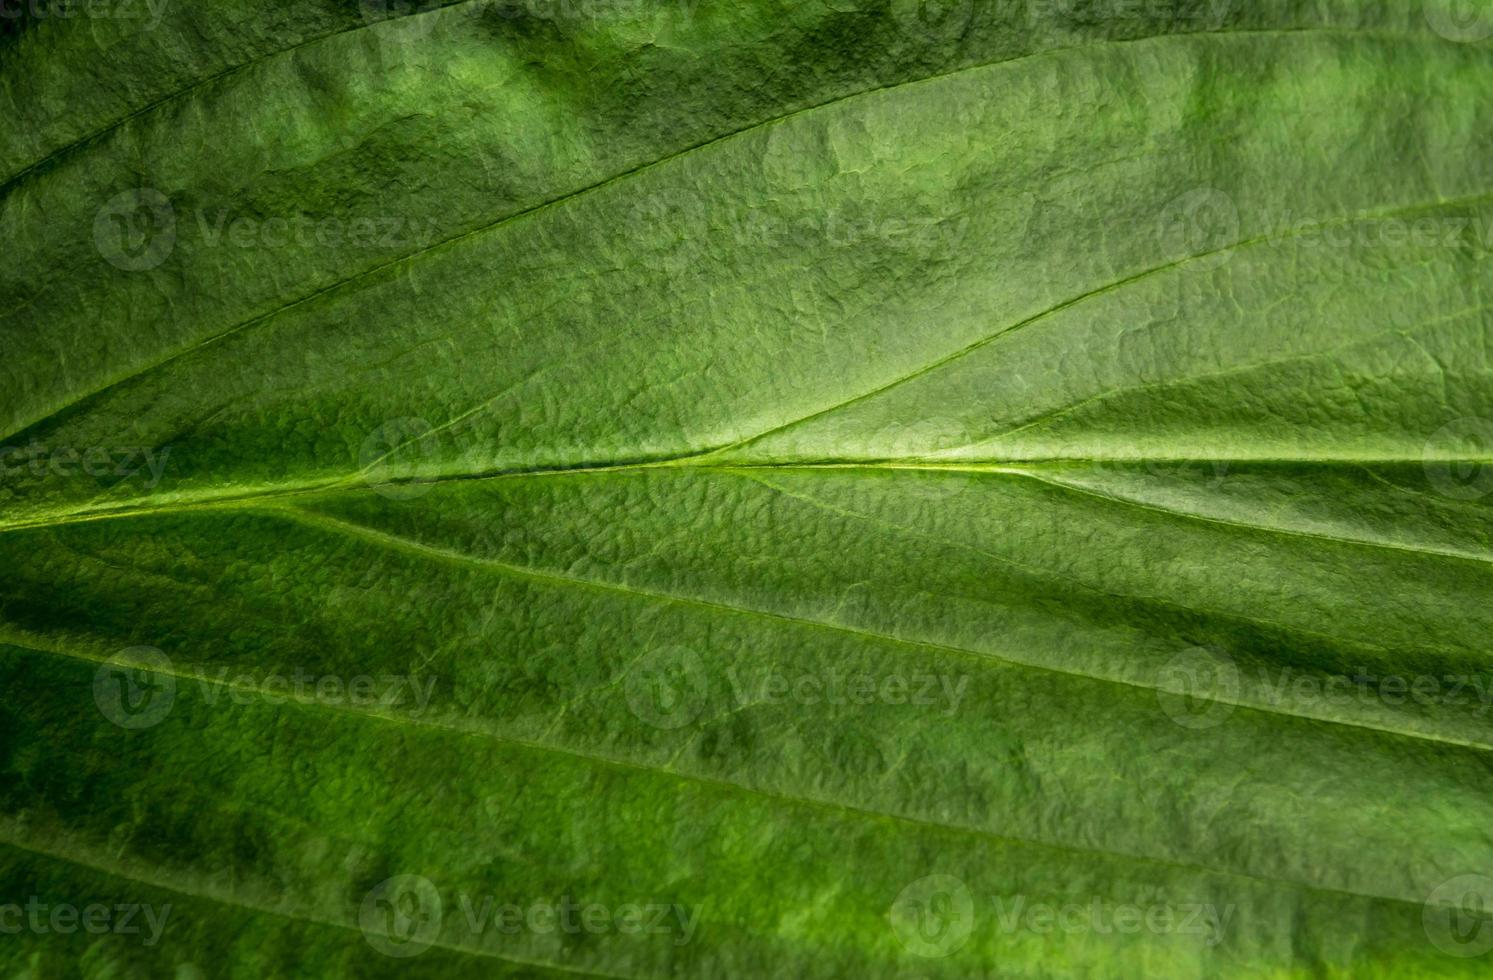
[{"x": 837, "y": 479}]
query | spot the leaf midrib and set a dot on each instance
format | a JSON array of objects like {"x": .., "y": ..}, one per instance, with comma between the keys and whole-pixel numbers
[{"x": 269, "y": 493}]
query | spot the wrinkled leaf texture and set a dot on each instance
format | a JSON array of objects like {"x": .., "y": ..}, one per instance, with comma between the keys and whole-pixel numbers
[{"x": 1049, "y": 350}]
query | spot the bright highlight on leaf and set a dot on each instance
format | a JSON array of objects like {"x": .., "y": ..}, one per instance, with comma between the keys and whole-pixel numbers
[{"x": 687, "y": 488}]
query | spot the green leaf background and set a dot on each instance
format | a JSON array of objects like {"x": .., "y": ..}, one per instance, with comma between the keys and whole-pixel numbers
[{"x": 834, "y": 488}]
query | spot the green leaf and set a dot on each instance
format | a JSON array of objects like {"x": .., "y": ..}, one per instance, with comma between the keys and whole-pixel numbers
[{"x": 673, "y": 488}]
